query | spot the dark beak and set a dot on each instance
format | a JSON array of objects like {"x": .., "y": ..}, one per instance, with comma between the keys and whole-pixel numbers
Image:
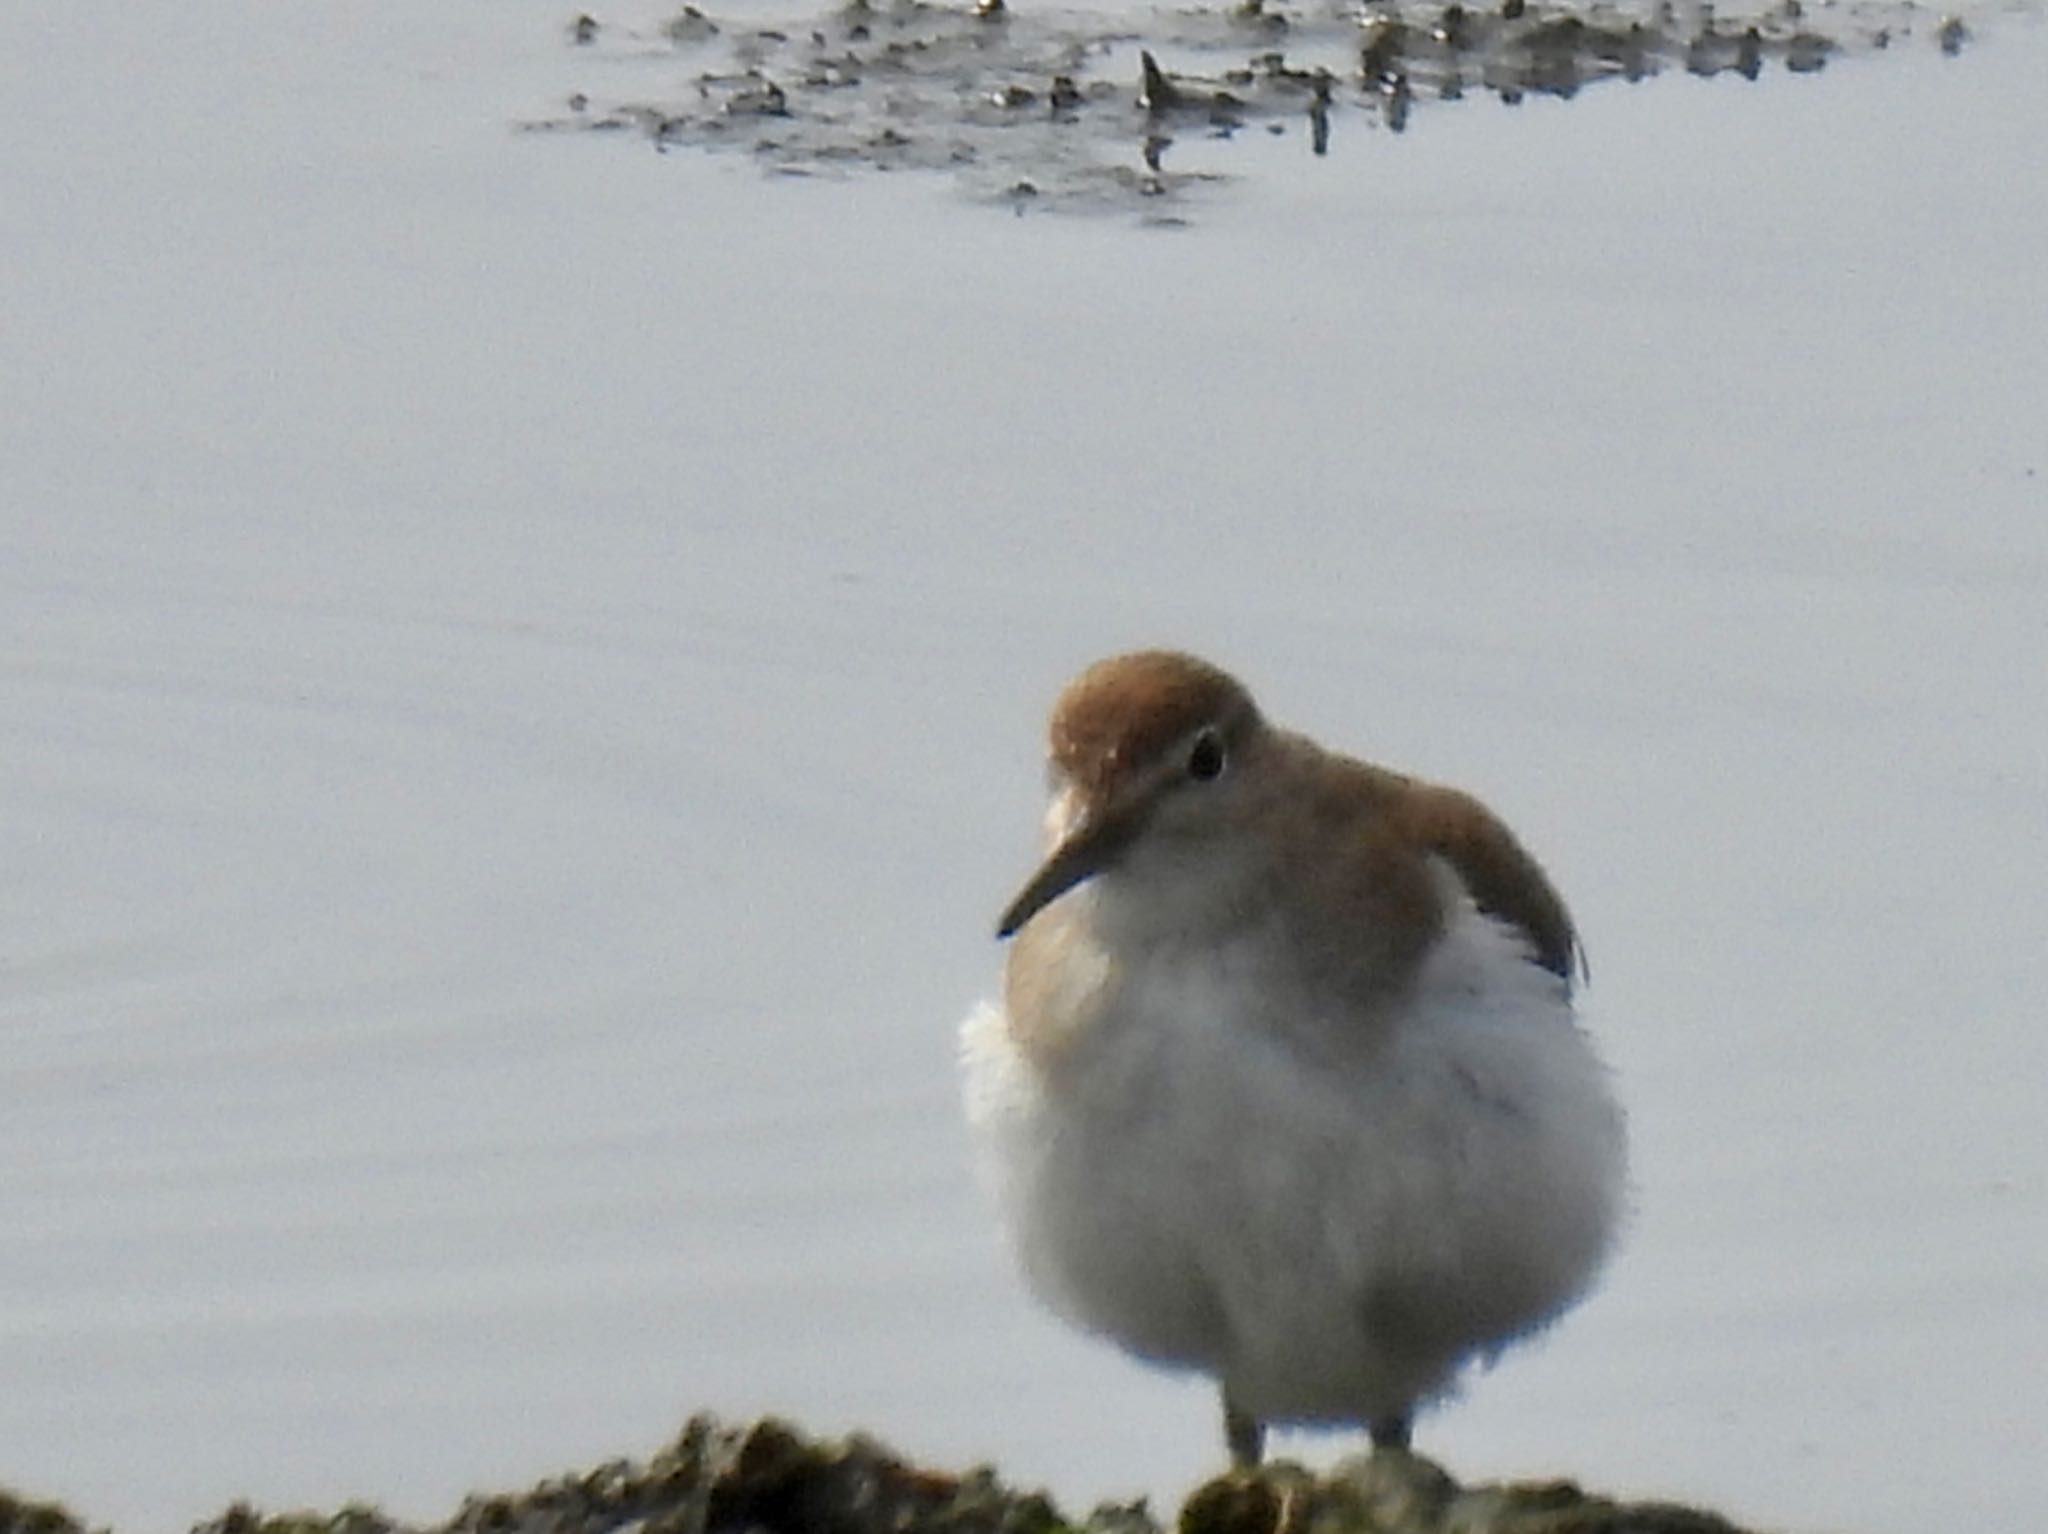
[{"x": 1090, "y": 846}]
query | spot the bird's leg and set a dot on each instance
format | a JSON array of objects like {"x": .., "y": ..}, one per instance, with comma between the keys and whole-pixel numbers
[
  {"x": 1244, "y": 1433},
  {"x": 1391, "y": 1432}
]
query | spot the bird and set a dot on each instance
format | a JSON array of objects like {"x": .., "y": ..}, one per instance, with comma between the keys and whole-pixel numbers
[{"x": 1285, "y": 1084}]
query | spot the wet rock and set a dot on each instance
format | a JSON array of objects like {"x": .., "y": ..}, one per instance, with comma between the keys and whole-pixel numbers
[
  {"x": 1163, "y": 96},
  {"x": 690, "y": 25},
  {"x": 1081, "y": 104},
  {"x": 769, "y": 1478},
  {"x": 1395, "y": 1492},
  {"x": 24, "y": 1515},
  {"x": 1806, "y": 52}
]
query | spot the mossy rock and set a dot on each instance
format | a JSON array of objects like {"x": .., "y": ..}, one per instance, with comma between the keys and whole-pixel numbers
[
  {"x": 23, "y": 1515},
  {"x": 768, "y": 1478}
]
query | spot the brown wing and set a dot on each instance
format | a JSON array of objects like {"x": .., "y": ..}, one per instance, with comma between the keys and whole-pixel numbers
[{"x": 1506, "y": 882}]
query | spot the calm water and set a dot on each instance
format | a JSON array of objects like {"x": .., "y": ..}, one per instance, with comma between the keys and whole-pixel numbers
[{"x": 524, "y": 669}]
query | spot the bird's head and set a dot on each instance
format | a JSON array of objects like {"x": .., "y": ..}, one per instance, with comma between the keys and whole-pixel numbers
[{"x": 1152, "y": 752}]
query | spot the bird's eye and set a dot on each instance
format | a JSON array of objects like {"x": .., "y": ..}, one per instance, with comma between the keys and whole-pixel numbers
[{"x": 1205, "y": 757}]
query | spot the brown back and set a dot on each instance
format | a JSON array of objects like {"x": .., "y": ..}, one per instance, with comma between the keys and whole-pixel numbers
[{"x": 1506, "y": 882}]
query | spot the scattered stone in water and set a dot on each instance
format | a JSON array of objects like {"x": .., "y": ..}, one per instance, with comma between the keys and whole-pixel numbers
[
  {"x": 690, "y": 25},
  {"x": 1047, "y": 96},
  {"x": 1156, "y": 93},
  {"x": 1162, "y": 96},
  {"x": 833, "y": 73},
  {"x": 1252, "y": 14},
  {"x": 1806, "y": 52},
  {"x": 756, "y": 96},
  {"x": 1712, "y": 53},
  {"x": 1384, "y": 37},
  {"x": 1396, "y": 98}
]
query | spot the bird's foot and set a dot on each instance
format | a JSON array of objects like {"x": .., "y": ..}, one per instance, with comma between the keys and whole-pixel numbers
[
  {"x": 1392, "y": 1432},
  {"x": 1245, "y": 1435}
]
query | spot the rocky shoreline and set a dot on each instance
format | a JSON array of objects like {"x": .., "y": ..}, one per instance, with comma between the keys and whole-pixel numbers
[{"x": 768, "y": 1477}]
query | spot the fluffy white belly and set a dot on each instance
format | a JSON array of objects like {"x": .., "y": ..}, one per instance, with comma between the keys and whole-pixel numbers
[{"x": 1331, "y": 1234}]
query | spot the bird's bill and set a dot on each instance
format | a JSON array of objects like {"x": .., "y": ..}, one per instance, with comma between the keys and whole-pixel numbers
[{"x": 1090, "y": 846}]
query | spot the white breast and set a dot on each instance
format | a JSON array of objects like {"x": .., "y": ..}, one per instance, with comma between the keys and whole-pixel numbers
[{"x": 1332, "y": 1232}]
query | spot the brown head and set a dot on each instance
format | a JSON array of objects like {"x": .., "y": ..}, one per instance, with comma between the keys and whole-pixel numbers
[{"x": 1135, "y": 740}]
